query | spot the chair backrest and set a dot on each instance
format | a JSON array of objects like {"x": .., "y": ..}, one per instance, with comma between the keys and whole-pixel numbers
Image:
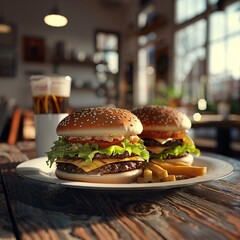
[
  {"x": 3, "y": 116},
  {"x": 15, "y": 126}
]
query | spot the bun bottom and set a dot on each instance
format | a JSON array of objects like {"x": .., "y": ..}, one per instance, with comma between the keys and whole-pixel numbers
[
  {"x": 124, "y": 177},
  {"x": 188, "y": 159}
]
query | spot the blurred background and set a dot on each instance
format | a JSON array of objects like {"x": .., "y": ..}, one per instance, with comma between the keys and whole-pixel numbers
[{"x": 128, "y": 53}]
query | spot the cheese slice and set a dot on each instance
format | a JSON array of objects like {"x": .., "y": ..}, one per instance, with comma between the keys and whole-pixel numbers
[
  {"x": 96, "y": 163},
  {"x": 159, "y": 149},
  {"x": 156, "y": 149},
  {"x": 162, "y": 141},
  {"x": 186, "y": 139}
]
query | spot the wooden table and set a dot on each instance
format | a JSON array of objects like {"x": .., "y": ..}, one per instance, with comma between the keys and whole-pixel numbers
[
  {"x": 34, "y": 210},
  {"x": 224, "y": 126}
]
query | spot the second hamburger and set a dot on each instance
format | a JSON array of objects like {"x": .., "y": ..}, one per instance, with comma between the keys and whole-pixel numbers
[{"x": 164, "y": 134}]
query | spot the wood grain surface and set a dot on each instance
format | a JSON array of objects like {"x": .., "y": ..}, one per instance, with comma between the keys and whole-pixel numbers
[
  {"x": 6, "y": 230},
  {"x": 7, "y": 155},
  {"x": 49, "y": 211}
]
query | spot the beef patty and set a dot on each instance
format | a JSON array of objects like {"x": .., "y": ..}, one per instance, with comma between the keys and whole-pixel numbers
[
  {"x": 170, "y": 143},
  {"x": 106, "y": 169}
]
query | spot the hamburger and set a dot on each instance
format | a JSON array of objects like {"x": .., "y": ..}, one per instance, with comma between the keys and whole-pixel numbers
[
  {"x": 99, "y": 145},
  {"x": 164, "y": 134}
]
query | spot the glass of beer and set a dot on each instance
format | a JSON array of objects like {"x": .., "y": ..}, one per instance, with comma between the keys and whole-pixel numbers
[{"x": 50, "y": 104}]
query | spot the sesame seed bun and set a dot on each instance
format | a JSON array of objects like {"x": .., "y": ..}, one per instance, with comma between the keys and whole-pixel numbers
[
  {"x": 162, "y": 118},
  {"x": 123, "y": 177},
  {"x": 101, "y": 121}
]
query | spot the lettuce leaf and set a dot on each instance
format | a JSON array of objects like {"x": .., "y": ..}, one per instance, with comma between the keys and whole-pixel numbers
[
  {"x": 176, "y": 151},
  {"x": 62, "y": 149}
]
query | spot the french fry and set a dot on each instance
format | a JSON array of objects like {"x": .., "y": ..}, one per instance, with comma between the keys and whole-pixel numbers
[
  {"x": 180, "y": 164},
  {"x": 169, "y": 178},
  {"x": 191, "y": 171},
  {"x": 147, "y": 175},
  {"x": 157, "y": 170}
]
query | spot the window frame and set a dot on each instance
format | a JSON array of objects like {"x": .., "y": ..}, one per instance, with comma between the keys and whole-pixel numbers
[{"x": 210, "y": 9}]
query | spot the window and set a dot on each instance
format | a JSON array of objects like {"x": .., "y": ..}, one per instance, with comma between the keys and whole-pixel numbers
[
  {"x": 107, "y": 68},
  {"x": 190, "y": 58},
  {"x": 207, "y": 65},
  {"x": 187, "y": 9},
  {"x": 107, "y": 49},
  {"x": 224, "y": 52}
]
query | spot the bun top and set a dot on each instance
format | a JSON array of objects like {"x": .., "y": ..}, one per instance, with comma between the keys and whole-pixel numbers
[
  {"x": 162, "y": 118},
  {"x": 100, "y": 121}
]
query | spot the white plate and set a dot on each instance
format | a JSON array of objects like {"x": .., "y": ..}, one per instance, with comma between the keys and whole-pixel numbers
[{"x": 37, "y": 169}]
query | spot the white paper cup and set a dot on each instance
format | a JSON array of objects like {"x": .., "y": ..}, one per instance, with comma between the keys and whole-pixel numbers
[
  {"x": 45, "y": 125},
  {"x": 50, "y": 105}
]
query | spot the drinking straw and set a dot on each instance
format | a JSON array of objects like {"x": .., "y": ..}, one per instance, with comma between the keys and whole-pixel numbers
[
  {"x": 46, "y": 104},
  {"x": 38, "y": 106},
  {"x": 56, "y": 103}
]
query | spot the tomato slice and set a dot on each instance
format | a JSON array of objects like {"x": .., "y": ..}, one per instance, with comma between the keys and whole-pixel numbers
[
  {"x": 163, "y": 134},
  {"x": 100, "y": 143},
  {"x": 134, "y": 140}
]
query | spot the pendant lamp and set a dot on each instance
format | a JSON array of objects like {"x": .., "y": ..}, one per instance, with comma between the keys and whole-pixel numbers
[
  {"x": 55, "y": 19},
  {"x": 4, "y": 26}
]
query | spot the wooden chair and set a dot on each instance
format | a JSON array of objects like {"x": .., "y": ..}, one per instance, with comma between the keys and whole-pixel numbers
[
  {"x": 15, "y": 126},
  {"x": 3, "y": 116}
]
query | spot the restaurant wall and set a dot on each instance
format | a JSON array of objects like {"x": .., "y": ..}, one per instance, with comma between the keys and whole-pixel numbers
[{"x": 84, "y": 16}]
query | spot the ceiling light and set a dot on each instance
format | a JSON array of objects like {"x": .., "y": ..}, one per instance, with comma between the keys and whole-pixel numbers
[
  {"x": 55, "y": 19},
  {"x": 4, "y": 26}
]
